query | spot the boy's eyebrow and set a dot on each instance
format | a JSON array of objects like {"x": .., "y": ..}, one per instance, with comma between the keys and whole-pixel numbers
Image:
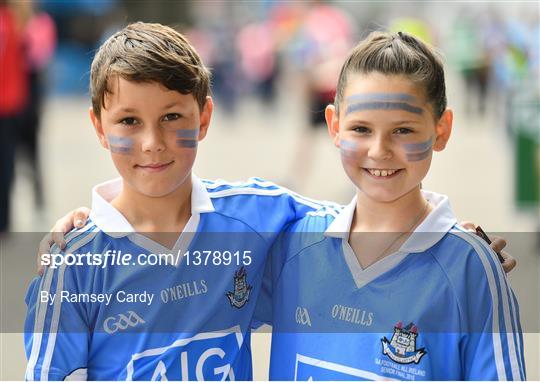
[
  {"x": 172, "y": 104},
  {"x": 125, "y": 110},
  {"x": 406, "y": 122}
]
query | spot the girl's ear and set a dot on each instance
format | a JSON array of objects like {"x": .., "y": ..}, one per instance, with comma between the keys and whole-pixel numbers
[{"x": 443, "y": 130}]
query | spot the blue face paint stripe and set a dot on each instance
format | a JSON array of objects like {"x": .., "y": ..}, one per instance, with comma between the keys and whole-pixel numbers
[
  {"x": 383, "y": 106},
  {"x": 188, "y": 143},
  {"x": 120, "y": 150},
  {"x": 119, "y": 141},
  {"x": 187, "y": 133},
  {"x": 381, "y": 97},
  {"x": 418, "y": 156},
  {"x": 347, "y": 145},
  {"x": 417, "y": 147}
]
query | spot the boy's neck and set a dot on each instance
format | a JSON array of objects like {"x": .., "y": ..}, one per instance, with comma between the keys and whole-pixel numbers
[{"x": 147, "y": 214}]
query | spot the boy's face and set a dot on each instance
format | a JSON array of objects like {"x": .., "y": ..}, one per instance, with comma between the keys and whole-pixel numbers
[
  {"x": 152, "y": 133},
  {"x": 386, "y": 133}
]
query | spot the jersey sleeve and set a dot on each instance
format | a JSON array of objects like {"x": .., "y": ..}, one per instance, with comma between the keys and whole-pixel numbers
[
  {"x": 492, "y": 348},
  {"x": 294, "y": 238},
  {"x": 263, "y": 309},
  {"x": 56, "y": 330}
]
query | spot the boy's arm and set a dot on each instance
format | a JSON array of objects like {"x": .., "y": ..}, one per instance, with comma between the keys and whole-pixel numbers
[
  {"x": 56, "y": 331},
  {"x": 492, "y": 348}
]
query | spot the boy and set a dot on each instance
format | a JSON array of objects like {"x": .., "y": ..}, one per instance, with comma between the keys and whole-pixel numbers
[
  {"x": 390, "y": 286},
  {"x": 108, "y": 307}
]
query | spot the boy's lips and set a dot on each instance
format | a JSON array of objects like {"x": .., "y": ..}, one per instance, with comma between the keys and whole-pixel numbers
[
  {"x": 382, "y": 173},
  {"x": 154, "y": 167}
]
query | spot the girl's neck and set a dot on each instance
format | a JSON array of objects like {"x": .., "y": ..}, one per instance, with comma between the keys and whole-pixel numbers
[
  {"x": 379, "y": 229},
  {"x": 401, "y": 215}
]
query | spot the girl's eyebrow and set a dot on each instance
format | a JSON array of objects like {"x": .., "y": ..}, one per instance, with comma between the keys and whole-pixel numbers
[{"x": 359, "y": 122}]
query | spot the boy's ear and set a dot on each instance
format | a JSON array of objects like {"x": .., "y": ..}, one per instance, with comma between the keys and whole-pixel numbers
[
  {"x": 99, "y": 129},
  {"x": 205, "y": 117},
  {"x": 332, "y": 122},
  {"x": 443, "y": 130}
]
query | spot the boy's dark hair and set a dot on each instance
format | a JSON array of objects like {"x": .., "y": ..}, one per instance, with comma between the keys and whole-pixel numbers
[
  {"x": 398, "y": 54},
  {"x": 144, "y": 52}
]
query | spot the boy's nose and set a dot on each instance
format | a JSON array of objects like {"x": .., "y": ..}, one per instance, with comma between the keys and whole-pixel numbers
[
  {"x": 380, "y": 149},
  {"x": 153, "y": 140}
]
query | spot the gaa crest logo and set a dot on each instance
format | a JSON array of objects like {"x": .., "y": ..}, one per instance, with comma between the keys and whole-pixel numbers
[
  {"x": 402, "y": 347},
  {"x": 240, "y": 296}
]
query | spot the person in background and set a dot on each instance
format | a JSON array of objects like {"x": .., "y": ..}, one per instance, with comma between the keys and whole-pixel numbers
[{"x": 13, "y": 100}]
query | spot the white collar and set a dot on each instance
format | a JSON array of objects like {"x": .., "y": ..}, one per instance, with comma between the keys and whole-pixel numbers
[
  {"x": 110, "y": 220},
  {"x": 439, "y": 221}
]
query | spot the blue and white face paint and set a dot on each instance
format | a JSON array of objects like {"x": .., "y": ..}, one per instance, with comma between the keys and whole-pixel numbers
[
  {"x": 120, "y": 145},
  {"x": 348, "y": 148},
  {"x": 418, "y": 151},
  {"x": 187, "y": 138},
  {"x": 382, "y": 101}
]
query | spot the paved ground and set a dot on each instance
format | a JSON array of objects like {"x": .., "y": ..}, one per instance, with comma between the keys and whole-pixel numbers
[{"x": 476, "y": 171}]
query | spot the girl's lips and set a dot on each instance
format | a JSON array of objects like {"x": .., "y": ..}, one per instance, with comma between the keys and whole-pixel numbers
[{"x": 380, "y": 177}]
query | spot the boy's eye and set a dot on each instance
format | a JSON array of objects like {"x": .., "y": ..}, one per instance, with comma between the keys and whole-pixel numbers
[
  {"x": 171, "y": 117},
  {"x": 128, "y": 121},
  {"x": 403, "y": 131},
  {"x": 361, "y": 129}
]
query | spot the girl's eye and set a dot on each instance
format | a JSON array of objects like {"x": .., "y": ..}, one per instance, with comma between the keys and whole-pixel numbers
[
  {"x": 128, "y": 121},
  {"x": 361, "y": 130},
  {"x": 403, "y": 131},
  {"x": 171, "y": 117}
]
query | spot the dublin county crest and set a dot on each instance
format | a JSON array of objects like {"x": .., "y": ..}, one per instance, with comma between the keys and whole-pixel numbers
[
  {"x": 402, "y": 347},
  {"x": 240, "y": 296}
]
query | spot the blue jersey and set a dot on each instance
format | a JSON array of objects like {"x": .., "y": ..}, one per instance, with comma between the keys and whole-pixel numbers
[
  {"x": 439, "y": 308},
  {"x": 187, "y": 317}
]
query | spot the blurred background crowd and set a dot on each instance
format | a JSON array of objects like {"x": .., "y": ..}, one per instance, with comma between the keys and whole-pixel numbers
[
  {"x": 275, "y": 66},
  {"x": 266, "y": 51}
]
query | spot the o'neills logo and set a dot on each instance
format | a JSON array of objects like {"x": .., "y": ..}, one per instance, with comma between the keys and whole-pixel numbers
[
  {"x": 402, "y": 347},
  {"x": 182, "y": 291}
]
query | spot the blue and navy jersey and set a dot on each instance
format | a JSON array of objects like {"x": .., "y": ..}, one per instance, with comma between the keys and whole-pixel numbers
[
  {"x": 439, "y": 308},
  {"x": 188, "y": 317}
]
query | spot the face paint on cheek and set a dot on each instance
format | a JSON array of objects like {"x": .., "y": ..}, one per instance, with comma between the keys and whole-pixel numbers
[
  {"x": 187, "y": 138},
  {"x": 120, "y": 145},
  {"x": 418, "y": 151},
  {"x": 348, "y": 149}
]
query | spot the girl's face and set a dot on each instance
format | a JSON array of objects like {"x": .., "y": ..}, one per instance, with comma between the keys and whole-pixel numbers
[{"x": 386, "y": 133}]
